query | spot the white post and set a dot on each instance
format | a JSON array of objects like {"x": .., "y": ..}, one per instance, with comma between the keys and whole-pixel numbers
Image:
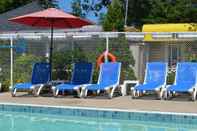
[
  {"x": 11, "y": 62},
  {"x": 107, "y": 43},
  {"x": 126, "y": 13},
  {"x": 107, "y": 48}
]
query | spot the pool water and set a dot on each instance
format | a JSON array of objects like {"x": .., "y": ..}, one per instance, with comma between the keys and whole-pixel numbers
[{"x": 14, "y": 121}]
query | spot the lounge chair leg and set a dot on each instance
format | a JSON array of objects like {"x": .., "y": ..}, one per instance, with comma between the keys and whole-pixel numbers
[
  {"x": 165, "y": 95},
  {"x": 57, "y": 92},
  {"x": 170, "y": 94},
  {"x": 82, "y": 93},
  {"x": 110, "y": 95},
  {"x": 143, "y": 92},
  {"x": 85, "y": 92},
  {"x": 33, "y": 91},
  {"x": 14, "y": 92},
  {"x": 97, "y": 92},
  {"x": 137, "y": 93},
  {"x": 173, "y": 93},
  {"x": 194, "y": 95},
  {"x": 54, "y": 90},
  {"x": 133, "y": 93},
  {"x": 160, "y": 95},
  {"x": 111, "y": 92},
  {"x": 79, "y": 93},
  {"x": 39, "y": 89},
  {"x": 108, "y": 92}
]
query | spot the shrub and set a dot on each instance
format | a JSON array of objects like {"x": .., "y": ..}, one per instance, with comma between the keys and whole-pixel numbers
[
  {"x": 171, "y": 78},
  {"x": 62, "y": 63}
]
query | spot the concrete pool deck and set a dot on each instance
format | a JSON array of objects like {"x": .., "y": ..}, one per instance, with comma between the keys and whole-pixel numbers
[{"x": 179, "y": 104}]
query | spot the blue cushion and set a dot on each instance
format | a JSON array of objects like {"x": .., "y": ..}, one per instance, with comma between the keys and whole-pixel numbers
[
  {"x": 156, "y": 72},
  {"x": 155, "y": 76},
  {"x": 23, "y": 85},
  {"x": 181, "y": 87},
  {"x": 186, "y": 76},
  {"x": 186, "y": 72},
  {"x": 66, "y": 86},
  {"x": 82, "y": 73},
  {"x": 40, "y": 75},
  {"x": 148, "y": 86},
  {"x": 109, "y": 75},
  {"x": 94, "y": 87}
]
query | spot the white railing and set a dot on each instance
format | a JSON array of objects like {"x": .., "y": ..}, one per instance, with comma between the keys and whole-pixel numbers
[{"x": 128, "y": 35}]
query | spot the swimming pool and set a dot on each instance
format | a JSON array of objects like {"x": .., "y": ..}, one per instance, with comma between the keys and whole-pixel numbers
[{"x": 44, "y": 118}]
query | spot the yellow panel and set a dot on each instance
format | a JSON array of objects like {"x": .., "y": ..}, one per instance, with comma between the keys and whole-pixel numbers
[
  {"x": 170, "y": 27},
  {"x": 148, "y": 37}
]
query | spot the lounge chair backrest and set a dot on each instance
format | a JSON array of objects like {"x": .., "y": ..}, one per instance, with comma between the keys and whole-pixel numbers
[
  {"x": 82, "y": 73},
  {"x": 156, "y": 72},
  {"x": 41, "y": 73},
  {"x": 186, "y": 73},
  {"x": 109, "y": 73}
]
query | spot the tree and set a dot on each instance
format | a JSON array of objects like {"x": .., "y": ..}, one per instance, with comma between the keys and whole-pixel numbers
[
  {"x": 48, "y": 3},
  {"x": 137, "y": 11},
  {"x": 161, "y": 11},
  {"x": 175, "y": 11},
  {"x": 114, "y": 19},
  {"x": 84, "y": 7},
  {"x": 6, "y": 5},
  {"x": 148, "y": 11},
  {"x": 77, "y": 8}
]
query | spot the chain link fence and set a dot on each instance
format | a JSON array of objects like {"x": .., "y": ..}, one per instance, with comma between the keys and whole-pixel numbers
[
  {"x": 66, "y": 52},
  {"x": 131, "y": 53}
]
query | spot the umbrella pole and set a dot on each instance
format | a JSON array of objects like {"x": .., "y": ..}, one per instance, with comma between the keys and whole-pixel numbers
[{"x": 51, "y": 51}]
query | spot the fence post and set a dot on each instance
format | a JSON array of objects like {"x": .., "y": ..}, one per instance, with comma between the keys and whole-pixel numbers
[
  {"x": 107, "y": 49},
  {"x": 11, "y": 62}
]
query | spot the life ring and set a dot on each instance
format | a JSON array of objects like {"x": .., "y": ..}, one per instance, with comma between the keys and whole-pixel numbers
[{"x": 101, "y": 58}]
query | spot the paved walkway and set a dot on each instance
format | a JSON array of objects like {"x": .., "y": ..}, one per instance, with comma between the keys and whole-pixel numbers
[{"x": 181, "y": 104}]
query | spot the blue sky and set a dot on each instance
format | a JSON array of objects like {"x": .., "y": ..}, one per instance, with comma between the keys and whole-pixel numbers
[{"x": 66, "y": 6}]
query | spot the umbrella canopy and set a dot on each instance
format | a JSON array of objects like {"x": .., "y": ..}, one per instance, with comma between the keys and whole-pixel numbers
[{"x": 51, "y": 18}]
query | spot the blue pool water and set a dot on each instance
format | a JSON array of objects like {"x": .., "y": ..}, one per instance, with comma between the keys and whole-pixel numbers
[{"x": 25, "y": 121}]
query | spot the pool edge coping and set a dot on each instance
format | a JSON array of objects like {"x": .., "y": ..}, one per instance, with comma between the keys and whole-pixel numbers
[{"x": 102, "y": 109}]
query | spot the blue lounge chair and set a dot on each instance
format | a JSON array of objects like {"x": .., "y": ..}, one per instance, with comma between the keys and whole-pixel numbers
[
  {"x": 185, "y": 80},
  {"x": 155, "y": 80},
  {"x": 109, "y": 77},
  {"x": 40, "y": 76},
  {"x": 82, "y": 74}
]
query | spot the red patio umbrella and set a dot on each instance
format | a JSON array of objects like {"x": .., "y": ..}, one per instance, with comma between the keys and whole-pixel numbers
[{"x": 51, "y": 18}]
